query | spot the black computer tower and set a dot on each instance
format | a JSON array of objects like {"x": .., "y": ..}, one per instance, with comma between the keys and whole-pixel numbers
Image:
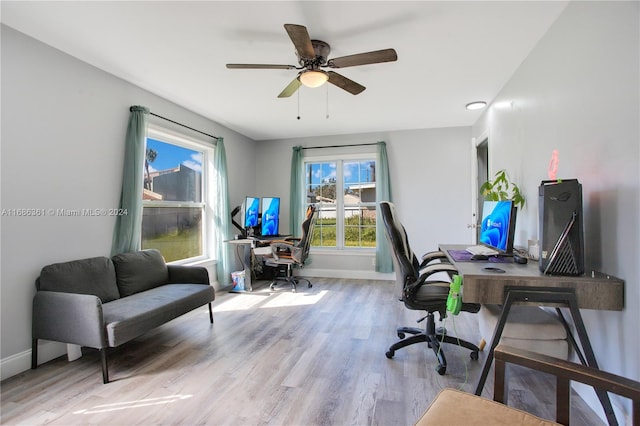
[{"x": 561, "y": 227}]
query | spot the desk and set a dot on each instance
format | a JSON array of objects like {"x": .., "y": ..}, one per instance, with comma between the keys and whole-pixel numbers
[
  {"x": 249, "y": 249},
  {"x": 526, "y": 284},
  {"x": 247, "y": 246}
]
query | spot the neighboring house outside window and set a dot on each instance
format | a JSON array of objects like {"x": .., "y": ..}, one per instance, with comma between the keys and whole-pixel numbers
[
  {"x": 174, "y": 196},
  {"x": 344, "y": 191}
]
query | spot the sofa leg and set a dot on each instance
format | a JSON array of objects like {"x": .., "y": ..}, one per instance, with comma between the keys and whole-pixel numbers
[
  {"x": 34, "y": 354},
  {"x": 105, "y": 371},
  {"x": 210, "y": 313}
]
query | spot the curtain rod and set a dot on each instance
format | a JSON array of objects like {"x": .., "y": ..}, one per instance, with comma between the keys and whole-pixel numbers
[
  {"x": 184, "y": 125},
  {"x": 339, "y": 146}
]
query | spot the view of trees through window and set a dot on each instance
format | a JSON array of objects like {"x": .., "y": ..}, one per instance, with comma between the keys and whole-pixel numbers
[
  {"x": 345, "y": 193},
  {"x": 172, "y": 200}
]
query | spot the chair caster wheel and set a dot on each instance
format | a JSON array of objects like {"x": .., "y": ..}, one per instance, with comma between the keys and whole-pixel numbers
[
  {"x": 474, "y": 355},
  {"x": 389, "y": 354},
  {"x": 310, "y": 285},
  {"x": 440, "y": 369},
  {"x": 401, "y": 335}
]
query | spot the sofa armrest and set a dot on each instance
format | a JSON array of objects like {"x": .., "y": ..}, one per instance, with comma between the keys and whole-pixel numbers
[
  {"x": 182, "y": 274},
  {"x": 68, "y": 318}
]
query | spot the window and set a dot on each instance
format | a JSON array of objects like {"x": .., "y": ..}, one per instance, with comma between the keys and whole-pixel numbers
[
  {"x": 174, "y": 196},
  {"x": 345, "y": 193}
]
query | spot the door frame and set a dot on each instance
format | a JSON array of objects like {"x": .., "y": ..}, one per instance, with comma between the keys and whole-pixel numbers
[{"x": 482, "y": 139}]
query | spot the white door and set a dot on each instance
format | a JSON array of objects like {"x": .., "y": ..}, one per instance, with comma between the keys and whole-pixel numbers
[{"x": 479, "y": 175}]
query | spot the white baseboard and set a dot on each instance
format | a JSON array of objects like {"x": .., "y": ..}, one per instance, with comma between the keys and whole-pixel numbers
[
  {"x": 16, "y": 364},
  {"x": 358, "y": 275}
]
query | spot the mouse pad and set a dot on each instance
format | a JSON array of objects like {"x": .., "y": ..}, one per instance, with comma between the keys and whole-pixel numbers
[{"x": 465, "y": 256}]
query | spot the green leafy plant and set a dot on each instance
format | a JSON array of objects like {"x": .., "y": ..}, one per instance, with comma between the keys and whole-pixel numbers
[{"x": 502, "y": 188}]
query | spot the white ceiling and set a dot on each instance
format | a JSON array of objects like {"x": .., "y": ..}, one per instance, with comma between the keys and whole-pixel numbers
[{"x": 449, "y": 53}]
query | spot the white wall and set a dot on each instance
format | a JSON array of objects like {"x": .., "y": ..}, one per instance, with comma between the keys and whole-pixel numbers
[
  {"x": 430, "y": 181},
  {"x": 578, "y": 92},
  {"x": 63, "y": 130}
]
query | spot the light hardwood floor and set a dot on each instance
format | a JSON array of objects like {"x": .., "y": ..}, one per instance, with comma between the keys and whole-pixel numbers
[{"x": 315, "y": 357}]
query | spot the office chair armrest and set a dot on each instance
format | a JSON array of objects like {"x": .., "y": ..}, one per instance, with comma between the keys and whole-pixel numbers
[
  {"x": 429, "y": 257},
  {"x": 281, "y": 245},
  {"x": 434, "y": 268},
  {"x": 425, "y": 278}
]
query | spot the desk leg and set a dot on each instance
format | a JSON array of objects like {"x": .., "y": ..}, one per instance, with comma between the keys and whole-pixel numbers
[
  {"x": 497, "y": 333},
  {"x": 591, "y": 358},
  {"x": 248, "y": 268},
  {"x": 547, "y": 295}
]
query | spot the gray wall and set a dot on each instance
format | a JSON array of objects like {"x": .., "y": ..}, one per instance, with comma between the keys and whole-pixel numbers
[
  {"x": 430, "y": 179},
  {"x": 578, "y": 92},
  {"x": 63, "y": 129}
]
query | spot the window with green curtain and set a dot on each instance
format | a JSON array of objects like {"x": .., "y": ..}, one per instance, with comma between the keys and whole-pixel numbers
[
  {"x": 344, "y": 191},
  {"x": 175, "y": 202}
]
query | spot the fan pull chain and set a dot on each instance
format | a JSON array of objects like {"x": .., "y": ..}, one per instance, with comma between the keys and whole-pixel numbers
[
  {"x": 298, "y": 104},
  {"x": 327, "y": 104}
]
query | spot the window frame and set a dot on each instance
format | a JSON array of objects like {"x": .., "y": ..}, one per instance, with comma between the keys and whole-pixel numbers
[
  {"x": 340, "y": 159},
  {"x": 172, "y": 137}
]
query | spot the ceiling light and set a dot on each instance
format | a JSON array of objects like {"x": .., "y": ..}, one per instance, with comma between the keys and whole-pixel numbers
[
  {"x": 472, "y": 106},
  {"x": 312, "y": 78}
]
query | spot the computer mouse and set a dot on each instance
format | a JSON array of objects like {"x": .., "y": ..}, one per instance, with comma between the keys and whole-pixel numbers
[
  {"x": 520, "y": 259},
  {"x": 479, "y": 257}
]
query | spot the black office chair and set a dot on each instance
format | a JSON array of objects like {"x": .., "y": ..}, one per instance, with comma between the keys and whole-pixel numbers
[
  {"x": 292, "y": 252},
  {"x": 420, "y": 291}
]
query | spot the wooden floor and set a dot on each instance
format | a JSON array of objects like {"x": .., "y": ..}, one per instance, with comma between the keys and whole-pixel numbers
[{"x": 315, "y": 357}]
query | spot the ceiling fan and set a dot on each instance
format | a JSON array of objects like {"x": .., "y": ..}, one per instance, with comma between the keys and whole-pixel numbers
[{"x": 314, "y": 55}]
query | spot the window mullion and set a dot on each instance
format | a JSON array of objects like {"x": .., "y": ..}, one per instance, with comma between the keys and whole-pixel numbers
[{"x": 339, "y": 205}]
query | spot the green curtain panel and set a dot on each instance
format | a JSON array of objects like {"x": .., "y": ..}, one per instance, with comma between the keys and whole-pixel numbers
[
  {"x": 221, "y": 214},
  {"x": 128, "y": 228},
  {"x": 384, "y": 262},
  {"x": 298, "y": 194}
]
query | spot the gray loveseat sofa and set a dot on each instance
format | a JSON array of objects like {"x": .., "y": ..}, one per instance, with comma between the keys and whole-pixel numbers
[{"x": 101, "y": 302}]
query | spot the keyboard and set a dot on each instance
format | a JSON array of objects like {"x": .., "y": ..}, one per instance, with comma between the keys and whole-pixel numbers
[
  {"x": 269, "y": 237},
  {"x": 482, "y": 250}
]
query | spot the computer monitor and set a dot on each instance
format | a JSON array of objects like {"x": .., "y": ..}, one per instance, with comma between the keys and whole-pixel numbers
[
  {"x": 498, "y": 225},
  {"x": 270, "y": 216},
  {"x": 251, "y": 210}
]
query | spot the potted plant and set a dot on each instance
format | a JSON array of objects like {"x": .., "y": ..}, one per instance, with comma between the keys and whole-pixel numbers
[{"x": 502, "y": 188}]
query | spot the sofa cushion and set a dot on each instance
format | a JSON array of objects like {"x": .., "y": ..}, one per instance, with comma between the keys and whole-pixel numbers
[
  {"x": 129, "y": 317},
  {"x": 94, "y": 276},
  {"x": 139, "y": 271}
]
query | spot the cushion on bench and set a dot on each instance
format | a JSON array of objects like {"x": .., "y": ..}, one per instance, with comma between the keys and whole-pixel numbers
[
  {"x": 94, "y": 276},
  {"x": 129, "y": 317},
  {"x": 528, "y": 327},
  {"x": 453, "y": 407},
  {"x": 139, "y": 271}
]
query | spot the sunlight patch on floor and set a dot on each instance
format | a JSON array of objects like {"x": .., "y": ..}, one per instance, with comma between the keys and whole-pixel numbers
[
  {"x": 241, "y": 302},
  {"x": 133, "y": 404},
  {"x": 294, "y": 299}
]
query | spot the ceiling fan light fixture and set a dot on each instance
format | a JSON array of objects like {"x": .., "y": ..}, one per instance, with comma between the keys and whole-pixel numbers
[
  {"x": 313, "y": 78},
  {"x": 472, "y": 106}
]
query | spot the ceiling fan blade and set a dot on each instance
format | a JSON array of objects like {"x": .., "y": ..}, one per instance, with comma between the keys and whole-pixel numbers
[
  {"x": 260, "y": 66},
  {"x": 301, "y": 40},
  {"x": 385, "y": 55},
  {"x": 344, "y": 83},
  {"x": 291, "y": 88}
]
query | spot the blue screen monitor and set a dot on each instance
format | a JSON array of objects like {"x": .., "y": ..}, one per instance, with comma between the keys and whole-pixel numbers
[
  {"x": 498, "y": 225},
  {"x": 251, "y": 210},
  {"x": 270, "y": 216}
]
